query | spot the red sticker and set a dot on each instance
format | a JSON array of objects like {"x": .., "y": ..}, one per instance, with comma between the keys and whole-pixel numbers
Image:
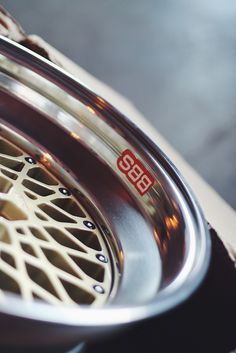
[{"x": 135, "y": 172}]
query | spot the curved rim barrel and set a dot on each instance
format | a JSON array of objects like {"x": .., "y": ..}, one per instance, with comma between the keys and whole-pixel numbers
[{"x": 160, "y": 238}]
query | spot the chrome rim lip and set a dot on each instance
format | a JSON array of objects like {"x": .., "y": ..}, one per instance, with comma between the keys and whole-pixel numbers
[
  {"x": 116, "y": 315},
  {"x": 88, "y": 317}
]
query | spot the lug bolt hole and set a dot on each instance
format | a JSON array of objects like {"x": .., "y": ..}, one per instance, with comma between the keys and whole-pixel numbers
[
  {"x": 99, "y": 289},
  {"x": 89, "y": 225},
  {"x": 102, "y": 258},
  {"x": 65, "y": 191},
  {"x": 30, "y": 160}
]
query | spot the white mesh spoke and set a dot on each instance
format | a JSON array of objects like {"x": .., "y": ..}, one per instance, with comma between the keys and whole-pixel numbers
[{"x": 47, "y": 252}]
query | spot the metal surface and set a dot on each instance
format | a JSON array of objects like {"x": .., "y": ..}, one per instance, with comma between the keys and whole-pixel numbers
[
  {"x": 160, "y": 239},
  {"x": 50, "y": 248}
]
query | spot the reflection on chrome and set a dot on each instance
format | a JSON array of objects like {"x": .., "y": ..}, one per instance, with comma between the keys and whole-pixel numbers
[{"x": 160, "y": 238}]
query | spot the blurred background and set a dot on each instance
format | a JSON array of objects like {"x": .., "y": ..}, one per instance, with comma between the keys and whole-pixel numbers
[{"x": 175, "y": 60}]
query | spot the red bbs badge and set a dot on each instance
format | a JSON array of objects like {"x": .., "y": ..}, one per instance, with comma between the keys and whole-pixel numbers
[{"x": 135, "y": 172}]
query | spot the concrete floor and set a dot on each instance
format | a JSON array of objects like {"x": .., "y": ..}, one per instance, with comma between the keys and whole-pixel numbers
[{"x": 174, "y": 59}]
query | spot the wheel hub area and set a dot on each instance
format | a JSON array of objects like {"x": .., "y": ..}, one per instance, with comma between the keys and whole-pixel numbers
[{"x": 50, "y": 247}]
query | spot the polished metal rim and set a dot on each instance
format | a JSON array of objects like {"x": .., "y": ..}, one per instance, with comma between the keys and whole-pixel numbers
[{"x": 160, "y": 239}]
